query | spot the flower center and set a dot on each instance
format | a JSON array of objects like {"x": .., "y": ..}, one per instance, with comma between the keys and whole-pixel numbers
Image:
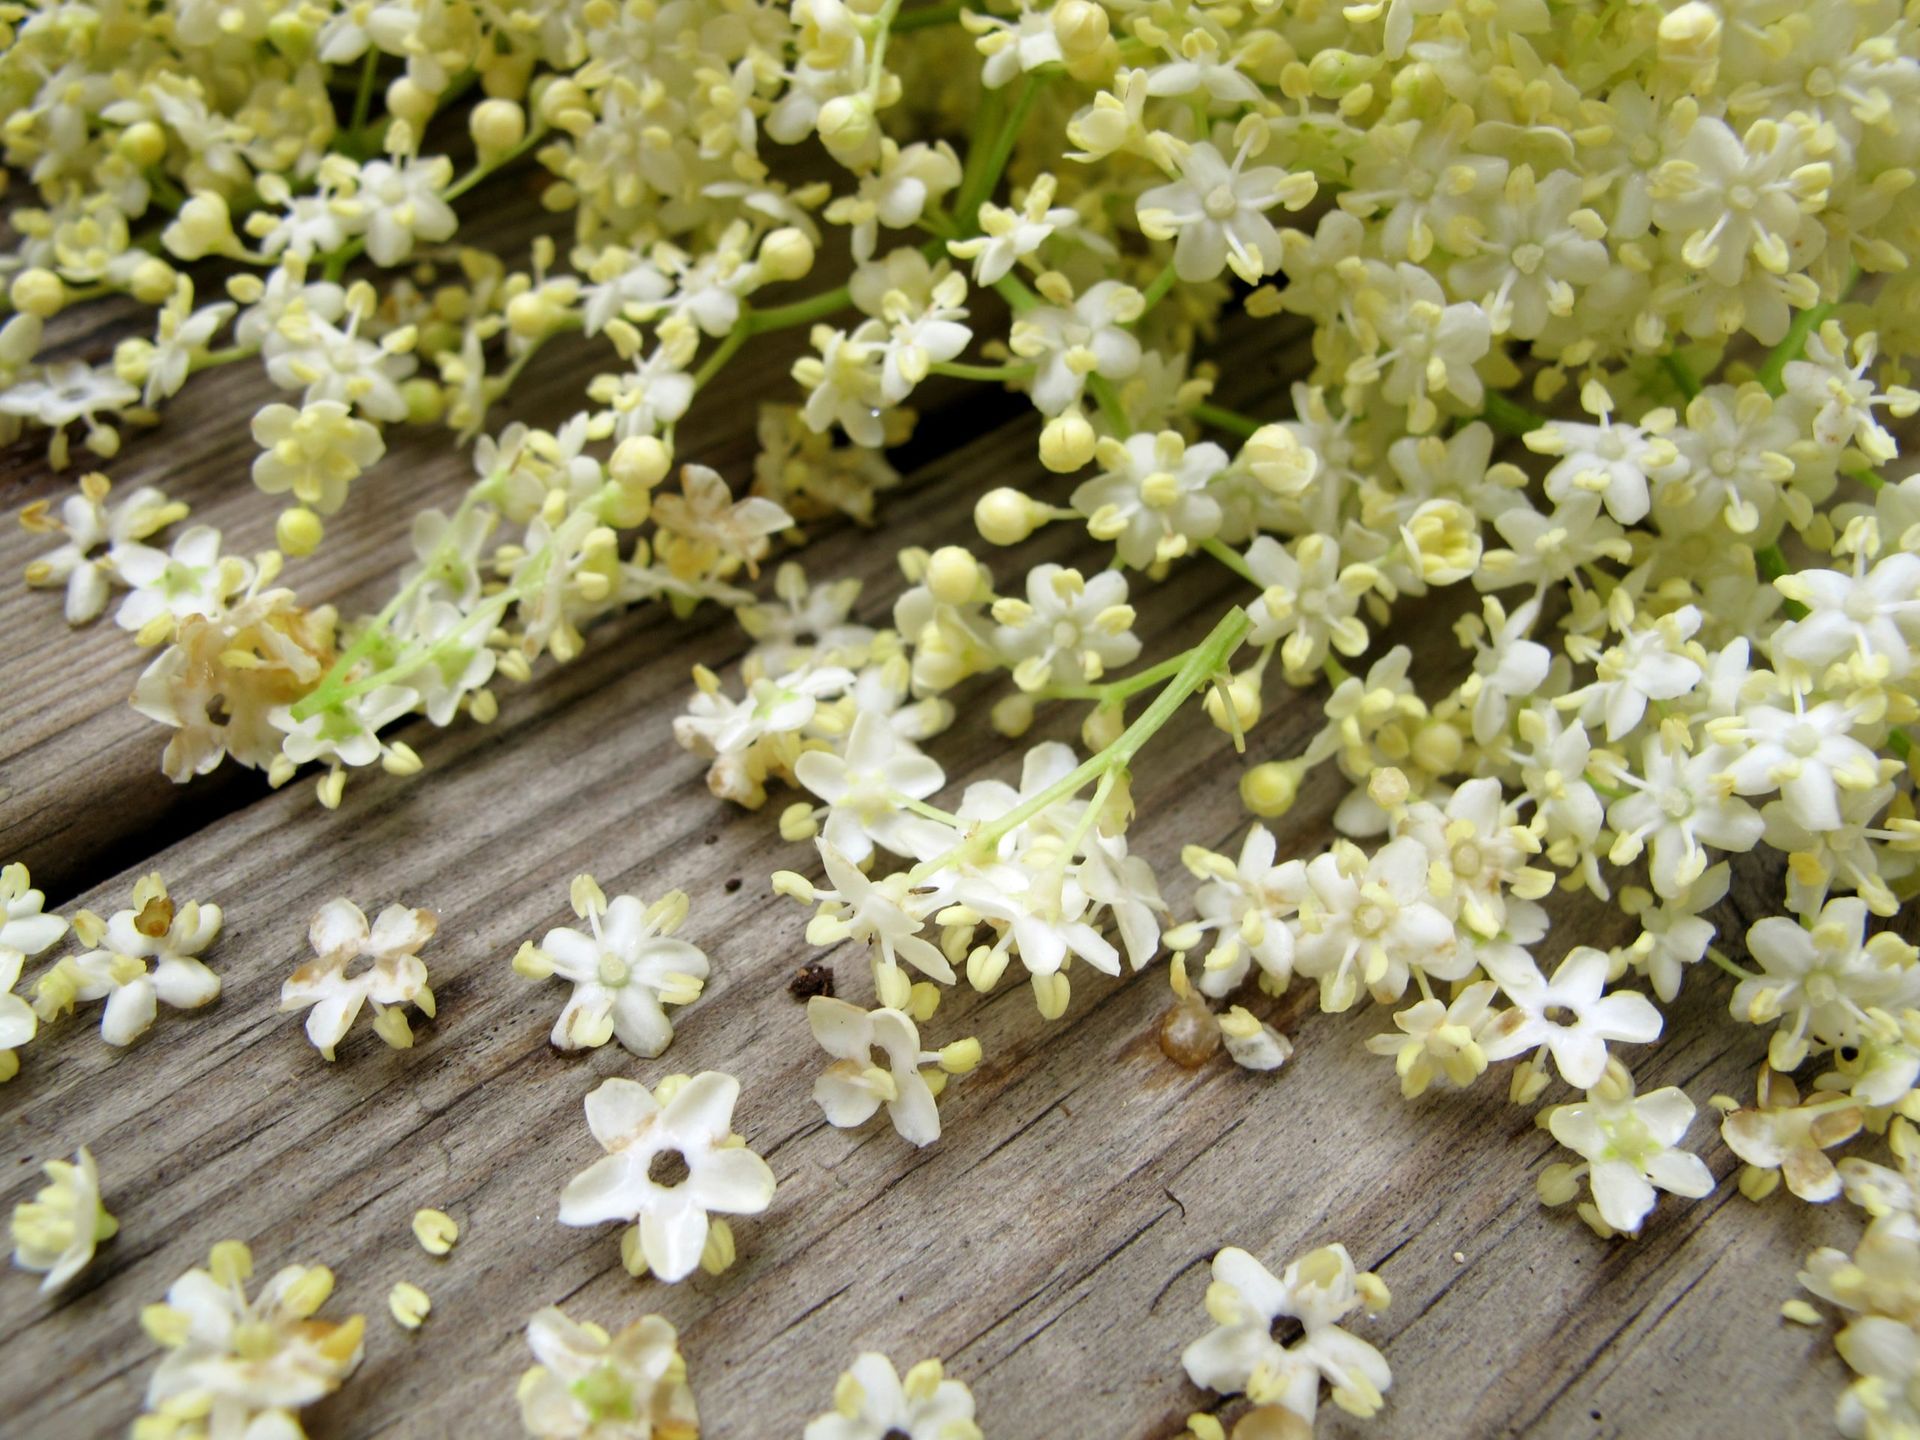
[
  {"x": 613, "y": 970},
  {"x": 1803, "y": 740},
  {"x": 1742, "y": 197},
  {"x": 668, "y": 1168},
  {"x": 1221, "y": 203}
]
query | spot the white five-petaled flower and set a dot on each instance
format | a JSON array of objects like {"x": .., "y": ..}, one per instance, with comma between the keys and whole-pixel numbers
[
  {"x": 872, "y": 1401},
  {"x": 1570, "y": 1016},
  {"x": 1369, "y": 921},
  {"x": 1082, "y": 337},
  {"x": 866, "y": 785},
  {"x": 1822, "y": 980},
  {"x": 1216, "y": 209},
  {"x": 88, "y": 523},
  {"x": 1068, "y": 629},
  {"x": 1151, "y": 497},
  {"x": 395, "y": 976},
  {"x": 116, "y": 970},
  {"x": 853, "y": 1086},
  {"x": 245, "y": 1366},
  {"x": 667, "y": 1166},
  {"x": 623, "y": 973},
  {"x": 399, "y": 204},
  {"x": 589, "y": 1385},
  {"x": 1319, "y": 1289},
  {"x": 191, "y": 579},
  {"x": 316, "y": 452},
  {"x": 1807, "y": 753},
  {"x": 883, "y": 913},
  {"x": 1628, "y": 1141}
]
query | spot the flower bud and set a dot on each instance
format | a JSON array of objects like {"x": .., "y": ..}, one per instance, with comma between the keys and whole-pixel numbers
[
  {"x": 847, "y": 127},
  {"x": 426, "y": 401},
  {"x": 1103, "y": 726},
  {"x": 1013, "y": 715},
  {"x": 152, "y": 281},
  {"x": 1270, "y": 789},
  {"x": 410, "y": 101},
  {"x": 953, "y": 575},
  {"x": 37, "y": 291},
  {"x": 1005, "y": 516},
  {"x": 1066, "y": 442},
  {"x": 786, "y": 254},
  {"x": 143, "y": 143},
  {"x": 298, "y": 531},
  {"x": 496, "y": 126},
  {"x": 640, "y": 462},
  {"x": 1080, "y": 26}
]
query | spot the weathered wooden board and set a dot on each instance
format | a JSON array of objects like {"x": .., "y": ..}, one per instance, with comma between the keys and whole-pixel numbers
[{"x": 1052, "y": 1246}]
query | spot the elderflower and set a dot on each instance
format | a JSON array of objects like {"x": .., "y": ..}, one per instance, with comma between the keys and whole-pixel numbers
[
  {"x": 623, "y": 973},
  {"x": 55, "y": 1232},
  {"x": 669, "y": 1163},
  {"x": 589, "y": 1385},
  {"x": 394, "y": 977},
  {"x": 157, "y": 934},
  {"x": 873, "y": 1401},
  {"x": 1627, "y": 1143},
  {"x": 25, "y": 931},
  {"x": 88, "y": 523},
  {"x": 853, "y": 1087},
  {"x": 1240, "y": 1355},
  {"x": 234, "y": 1363}
]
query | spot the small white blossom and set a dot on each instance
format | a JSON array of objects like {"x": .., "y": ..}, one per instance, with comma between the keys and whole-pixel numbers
[
  {"x": 394, "y": 977},
  {"x": 634, "y": 1180},
  {"x": 1241, "y": 1354},
  {"x": 872, "y": 1401},
  {"x": 1628, "y": 1142},
  {"x": 589, "y": 1385},
  {"x": 623, "y": 973},
  {"x": 1570, "y": 1016}
]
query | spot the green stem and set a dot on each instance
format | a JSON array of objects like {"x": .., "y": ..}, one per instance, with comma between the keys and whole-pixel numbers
[
  {"x": 1727, "y": 965},
  {"x": 927, "y": 16},
  {"x": 977, "y": 187},
  {"x": 1117, "y": 690},
  {"x": 1230, "y": 558},
  {"x": 962, "y": 371},
  {"x": 332, "y": 687},
  {"x": 1221, "y": 418},
  {"x": 1108, "y": 399},
  {"x": 883, "y": 23},
  {"x": 1157, "y": 291},
  {"x": 736, "y": 337},
  {"x": 482, "y": 169},
  {"x": 1680, "y": 373},
  {"x": 1201, "y": 662},
  {"x": 215, "y": 358},
  {"x": 363, "y": 94},
  {"x": 1773, "y": 564},
  {"x": 800, "y": 312},
  {"x": 1772, "y": 371},
  {"x": 1504, "y": 415}
]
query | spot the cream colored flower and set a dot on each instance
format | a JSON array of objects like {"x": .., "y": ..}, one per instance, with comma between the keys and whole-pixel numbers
[
  {"x": 240, "y": 1366},
  {"x": 872, "y": 1401},
  {"x": 395, "y": 977},
  {"x": 668, "y": 1163},
  {"x": 590, "y": 1385},
  {"x": 55, "y": 1232}
]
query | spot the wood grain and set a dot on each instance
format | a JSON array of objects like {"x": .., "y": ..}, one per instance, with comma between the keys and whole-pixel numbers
[{"x": 1052, "y": 1246}]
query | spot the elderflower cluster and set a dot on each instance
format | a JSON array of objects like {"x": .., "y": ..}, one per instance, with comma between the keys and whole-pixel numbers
[{"x": 1600, "y": 322}]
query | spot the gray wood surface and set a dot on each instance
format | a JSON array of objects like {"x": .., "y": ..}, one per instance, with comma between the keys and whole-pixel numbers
[{"x": 1052, "y": 1247}]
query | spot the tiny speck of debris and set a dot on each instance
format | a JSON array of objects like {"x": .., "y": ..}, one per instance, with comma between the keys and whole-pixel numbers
[
  {"x": 711, "y": 840},
  {"x": 732, "y": 885},
  {"x": 1459, "y": 1257},
  {"x": 810, "y": 980},
  {"x": 1594, "y": 1414}
]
